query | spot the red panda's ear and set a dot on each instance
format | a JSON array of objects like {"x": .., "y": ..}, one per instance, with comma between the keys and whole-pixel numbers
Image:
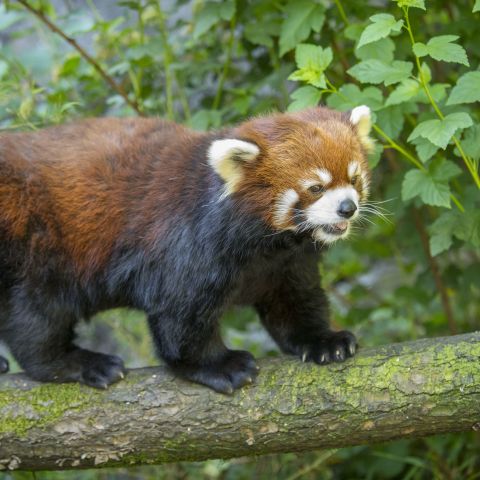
[
  {"x": 362, "y": 119},
  {"x": 227, "y": 157}
]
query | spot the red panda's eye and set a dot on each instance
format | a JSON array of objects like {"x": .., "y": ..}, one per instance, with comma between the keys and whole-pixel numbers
[
  {"x": 354, "y": 179},
  {"x": 316, "y": 189}
]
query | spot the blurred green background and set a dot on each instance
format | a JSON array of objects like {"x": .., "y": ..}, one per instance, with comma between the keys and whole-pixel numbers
[{"x": 412, "y": 273}]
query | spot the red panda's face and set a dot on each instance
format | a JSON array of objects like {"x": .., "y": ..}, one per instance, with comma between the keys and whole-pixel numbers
[{"x": 303, "y": 172}]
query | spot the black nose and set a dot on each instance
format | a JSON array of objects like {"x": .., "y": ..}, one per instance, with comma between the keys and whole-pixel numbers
[{"x": 346, "y": 208}]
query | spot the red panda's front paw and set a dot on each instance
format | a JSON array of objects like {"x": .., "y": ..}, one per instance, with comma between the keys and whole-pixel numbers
[
  {"x": 331, "y": 347},
  {"x": 233, "y": 370}
]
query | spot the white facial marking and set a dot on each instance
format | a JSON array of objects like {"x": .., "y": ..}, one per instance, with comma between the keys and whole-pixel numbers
[
  {"x": 352, "y": 168},
  {"x": 325, "y": 175},
  {"x": 324, "y": 212},
  {"x": 284, "y": 204},
  {"x": 308, "y": 183}
]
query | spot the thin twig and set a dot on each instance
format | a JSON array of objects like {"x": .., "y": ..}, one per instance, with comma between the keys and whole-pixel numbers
[
  {"x": 114, "y": 85},
  {"x": 447, "y": 308}
]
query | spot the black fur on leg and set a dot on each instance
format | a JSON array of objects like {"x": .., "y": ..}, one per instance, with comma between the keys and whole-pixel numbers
[{"x": 295, "y": 312}]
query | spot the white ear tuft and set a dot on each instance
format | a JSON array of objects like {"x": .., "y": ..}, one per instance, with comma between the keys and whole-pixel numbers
[
  {"x": 361, "y": 117},
  {"x": 226, "y": 158},
  {"x": 233, "y": 149}
]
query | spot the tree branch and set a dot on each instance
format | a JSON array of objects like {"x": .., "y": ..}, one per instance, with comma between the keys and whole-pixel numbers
[
  {"x": 54, "y": 28},
  {"x": 403, "y": 390}
]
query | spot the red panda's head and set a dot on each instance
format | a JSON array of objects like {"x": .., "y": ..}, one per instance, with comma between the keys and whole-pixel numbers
[{"x": 304, "y": 171}]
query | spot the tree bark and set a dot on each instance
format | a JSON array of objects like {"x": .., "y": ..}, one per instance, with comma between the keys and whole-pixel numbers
[{"x": 402, "y": 390}]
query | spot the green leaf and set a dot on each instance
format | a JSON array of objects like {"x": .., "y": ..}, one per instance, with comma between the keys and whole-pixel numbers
[
  {"x": 464, "y": 226},
  {"x": 304, "y": 97},
  {"x": 300, "y": 18},
  {"x": 375, "y": 71},
  {"x": 467, "y": 89},
  {"x": 227, "y": 9},
  {"x": 471, "y": 142},
  {"x": 404, "y": 92},
  {"x": 380, "y": 50},
  {"x": 412, "y": 3},
  {"x": 431, "y": 185},
  {"x": 419, "y": 182},
  {"x": 442, "y": 48},
  {"x": 476, "y": 7},
  {"x": 208, "y": 16},
  {"x": 439, "y": 132},
  {"x": 391, "y": 120},
  {"x": 425, "y": 149},
  {"x": 374, "y": 157},
  {"x": 350, "y": 96},
  {"x": 382, "y": 25},
  {"x": 312, "y": 60}
]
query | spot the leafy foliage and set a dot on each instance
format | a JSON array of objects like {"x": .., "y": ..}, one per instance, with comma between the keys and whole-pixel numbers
[{"x": 211, "y": 63}]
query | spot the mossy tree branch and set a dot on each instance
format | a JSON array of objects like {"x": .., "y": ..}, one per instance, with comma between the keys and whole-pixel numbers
[{"x": 403, "y": 390}]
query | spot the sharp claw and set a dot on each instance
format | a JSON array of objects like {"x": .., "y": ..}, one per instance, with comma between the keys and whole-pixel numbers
[
  {"x": 352, "y": 348},
  {"x": 122, "y": 375},
  {"x": 304, "y": 357}
]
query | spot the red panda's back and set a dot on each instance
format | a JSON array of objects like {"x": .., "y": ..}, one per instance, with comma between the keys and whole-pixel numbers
[{"x": 70, "y": 188}]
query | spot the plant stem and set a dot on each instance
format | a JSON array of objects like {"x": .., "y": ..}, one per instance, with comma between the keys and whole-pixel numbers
[
  {"x": 447, "y": 308},
  {"x": 339, "y": 5},
  {"x": 468, "y": 162},
  {"x": 170, "y": 76},
  {"x": 167, "y": 60},
  {"x": 226, "y": 65}
]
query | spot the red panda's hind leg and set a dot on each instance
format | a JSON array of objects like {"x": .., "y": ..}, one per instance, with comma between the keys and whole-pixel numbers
[{"x": 42, "y": 343}]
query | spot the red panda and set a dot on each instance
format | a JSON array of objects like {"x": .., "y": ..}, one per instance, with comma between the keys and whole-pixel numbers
[{"x": 147, "y": 214}]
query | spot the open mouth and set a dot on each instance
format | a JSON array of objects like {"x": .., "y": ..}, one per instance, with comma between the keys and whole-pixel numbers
[{"x": 335, "y": 228}]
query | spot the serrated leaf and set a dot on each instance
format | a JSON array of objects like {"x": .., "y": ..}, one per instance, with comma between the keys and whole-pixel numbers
[
  {"x": 467, "y": 89},
  {"x": 312, "y": 61},
  {"x": 380, "y": 50},
  {"x": 304, "y": 97},
  {"x": 382, "y": 25},
  {"x": 425, "y": 149},
  {"x": 412, "y": 3},
  {"x": 441, "y": 48},
  {"x": 421, "y": 183},
  {"x": 300, "y": 17},
  {"x": 375, "y": 71},
  {"x": 463, "y": 226},
  {"x": 403, "y": 92},
  {"x": 439, "y": 132},
  {"x": 391, "y": 120},
  {"x": 350, "y": 96}
]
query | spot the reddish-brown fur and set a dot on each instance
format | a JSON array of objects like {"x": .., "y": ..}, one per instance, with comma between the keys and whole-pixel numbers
[{"x": 136, "y": 212}]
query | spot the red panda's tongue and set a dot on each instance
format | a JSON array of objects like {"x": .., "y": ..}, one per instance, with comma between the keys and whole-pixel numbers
[{"x": 342, "y": 225}]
